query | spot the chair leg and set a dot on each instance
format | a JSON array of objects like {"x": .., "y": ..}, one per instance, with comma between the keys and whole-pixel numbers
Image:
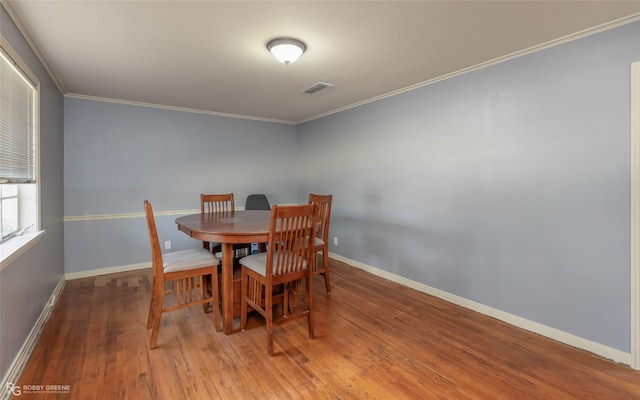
[
  {"x": 294, "y": 294},
  {"x": 309, "y": 304},
  {"x": 215, "y": 299},
  {"x": 156, "y": 320},
  {"x": 207, "y": 282},
  {"x": 291, "y": 295},
  {"x": 325, "y": 265},
  {"x": 243, "y": 301},
  {"x": 286, "y": 307},
  {"x": 270, "y": 337},
  {"x": 268, "y": 302},
  {"x": 152, "y": 303}
]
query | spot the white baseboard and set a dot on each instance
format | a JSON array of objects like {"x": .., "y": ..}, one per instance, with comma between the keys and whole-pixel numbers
[
  {"x": 552, "y": 333},
  {"x": 105, "y": 271},
  {"x": 15, "y": 370}
]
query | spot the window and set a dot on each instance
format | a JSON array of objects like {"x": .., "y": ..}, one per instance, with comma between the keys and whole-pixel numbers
[
  {"x": 8, "y": 210},
  {"x": 19, "y": 98}
]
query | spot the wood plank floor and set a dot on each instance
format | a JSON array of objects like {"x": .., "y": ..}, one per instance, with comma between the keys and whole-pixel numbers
[{"x": 374, "y": 340}]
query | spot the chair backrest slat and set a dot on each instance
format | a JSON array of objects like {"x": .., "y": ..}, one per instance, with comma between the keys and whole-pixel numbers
[
  {"x": 290, "y": 238},
  {"x": 216, "y": 203}
]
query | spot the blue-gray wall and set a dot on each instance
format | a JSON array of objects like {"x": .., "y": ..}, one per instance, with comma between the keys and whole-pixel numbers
[
  {"x": 507, "y": 186},
  {"x": 28, "y": 282},
  {"x": 118, "y": 155}
]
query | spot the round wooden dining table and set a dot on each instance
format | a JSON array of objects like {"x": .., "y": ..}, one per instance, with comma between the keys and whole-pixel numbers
[{"x": 227, "y": 228}]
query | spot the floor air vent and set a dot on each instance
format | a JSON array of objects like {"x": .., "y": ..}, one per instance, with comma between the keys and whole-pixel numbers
[{"x": 317, "y": 87}]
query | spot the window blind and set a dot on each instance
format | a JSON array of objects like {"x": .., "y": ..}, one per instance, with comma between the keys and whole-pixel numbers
[{"x": 17, "y": 123}]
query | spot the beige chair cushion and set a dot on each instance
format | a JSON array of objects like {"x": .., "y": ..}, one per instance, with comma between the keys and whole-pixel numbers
[
  {"x": 258, "y": 262},
  {"x": 188, "y": 259},
  {"x": 317, "y": 242}
]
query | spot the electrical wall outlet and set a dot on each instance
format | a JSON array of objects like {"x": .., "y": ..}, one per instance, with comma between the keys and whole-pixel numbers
[
  {"x": 335, "y": 240},
  {"x": 167, "y": 244}
]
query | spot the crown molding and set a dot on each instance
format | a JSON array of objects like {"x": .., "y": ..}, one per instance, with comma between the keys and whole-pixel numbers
[
  {"x": 174, "y": 108},
  {"x": 552, "y": 43}
]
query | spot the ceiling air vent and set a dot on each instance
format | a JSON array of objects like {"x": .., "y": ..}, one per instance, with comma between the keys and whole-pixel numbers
[{"x": 317, "y": 87}]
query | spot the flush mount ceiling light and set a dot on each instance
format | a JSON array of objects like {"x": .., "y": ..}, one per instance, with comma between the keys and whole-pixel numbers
[{"x": 286, "y": 50}]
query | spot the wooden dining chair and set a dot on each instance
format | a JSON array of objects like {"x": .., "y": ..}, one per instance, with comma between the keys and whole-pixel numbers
[
  {"x": 182, "y": 273},
  {"x": 285, "y": 263},
  {"x": 216, "y": 203},
  {"x": 257, "y": 201},
  {"x": 321, "y": 242}
]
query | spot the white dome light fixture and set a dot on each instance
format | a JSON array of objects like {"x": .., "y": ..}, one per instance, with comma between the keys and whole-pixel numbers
[{"x": 286, "y": 50}]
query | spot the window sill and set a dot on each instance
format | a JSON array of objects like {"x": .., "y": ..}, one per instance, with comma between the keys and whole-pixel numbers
[{"x": 16, "y": 246}]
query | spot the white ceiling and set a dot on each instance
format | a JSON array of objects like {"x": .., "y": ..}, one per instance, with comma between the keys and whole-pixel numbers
[{"x": 211, "y": 55}]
